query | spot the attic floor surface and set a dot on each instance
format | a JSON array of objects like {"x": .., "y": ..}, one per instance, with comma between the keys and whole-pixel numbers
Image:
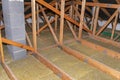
[{"x": 31, "y": 69}]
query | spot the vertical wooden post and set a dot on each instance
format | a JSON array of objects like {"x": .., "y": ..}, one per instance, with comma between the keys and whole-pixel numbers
[
  {"x": 56, "y": 17},
  {"x": 72, "y": 13},
  {"x": 75, "y": 27},
  {"x": 62, "y": 21},
  {"x": 34, "y": 25},
  {"x": 71, "y": 9},
  {"x": 93, "y": 17},
  {"x": 81, "y": 19},
  {"x": 1, "y": 50},
  {"x": 37, "y": 8},
  {"x": 114, "y": 26},
  {"x": 95, "y": 21}
]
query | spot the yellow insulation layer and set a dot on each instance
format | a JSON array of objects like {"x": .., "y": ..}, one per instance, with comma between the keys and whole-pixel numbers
[
  {"x": 74, "y": 67},
  {"x": 97, "y": 55},
  {"x": 31, "y": 69}
]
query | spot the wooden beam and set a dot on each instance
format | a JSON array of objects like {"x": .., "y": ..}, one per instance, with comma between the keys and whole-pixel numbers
[
  {"x": 92, "y": 62},
  {"x": 28, "y": 24},
  {"x": 58, "y": 12},
  {"x": 51, "y": 21},
  {"x": 59, "y": 72},
  {"x": 116, "y": 37},
  {"x": 9, "y": 72},
  {"x": 78, "y": 14},
  {"x": 30, "y": 14},
  {"x": 75, "y": 17},
  {"x": 114, "y": 25},
  {"x": 103, "y": 5},
  {"x": 88, "y": 21},
  {"x": 26, "y": 8},
  {"x": 28, "y": 40},
  {"x": 45, "y": 26},
  {"x": 103, "y": 9},
  {"x": 93, "y": 17},
  {"x": 67, "y": 8},
  {"x": 33, "y": 4},
  {"x": 87, "y": 8},
  {"x": 10, "y": 42},
  {"x": 117, "y": 44},
  {"x": 95, "y": 20},
  {"x": 81, "y": 19},
  {"x": 87, "y": 4},
  {"x": 105, "y": 25},
  {"x": 2, "y": 60},
  {"x": 71, "y": 10},
  {"x": 37, "y": 14},
  {"x": 62, "y": 21},
  {"x": 50, "y": 65},
  {"x": 106, "y": 12},
  {"x": 56, "y": 17},
  {"x": 109, "y": 52},
  {"x": 72, "y": 30},
  {"x": 49, "y": 25}
]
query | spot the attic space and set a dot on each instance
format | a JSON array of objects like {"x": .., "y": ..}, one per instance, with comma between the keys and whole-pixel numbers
[{"x": 59, "y": 39}]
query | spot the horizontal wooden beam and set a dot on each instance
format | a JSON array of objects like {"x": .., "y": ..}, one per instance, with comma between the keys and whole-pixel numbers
[
  {"x": 60, "y": 73},
  {"x": 58, "y": 12},
  {"x": 107, "y": 41},
  {"x": 92, "y": 62},
  {"x": 109, "y": 52},
  {"x": 103, "y": 5},
  {"x": 42, "y": 59},
  {"x": 53, "y": 67},
  {"x": 10, "y": 42},
  {"x": 103, "y": 9}
]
